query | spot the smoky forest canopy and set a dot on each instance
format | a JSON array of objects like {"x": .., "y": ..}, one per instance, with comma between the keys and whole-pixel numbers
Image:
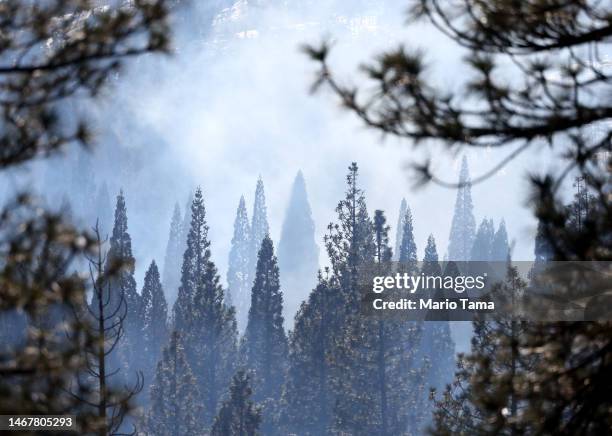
[{"x": 146, "y": 303}]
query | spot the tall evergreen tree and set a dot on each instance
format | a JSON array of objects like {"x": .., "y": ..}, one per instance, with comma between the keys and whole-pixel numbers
[
  {"x": 399, "y": 230},
  {"x": 238, "y": 415},
  {"x": 560, "y": 98},
  {"x": 483, "y": 242},
  {"x": 174, "y": 395},
  {"x": 195, "y": 258},
  {"x": 350, "y": 241},
  {"x": 123, "y": 282},
  {"x": 463, "y": 227},
  {"x": 309, "y": 397},
  {"x": 381, "y": 237},
  {"x": 311, "y": 392},
  {"x": 500, "y": 249},
  {"x": 408, "y": 249},
  {"x": 378, "y": 378},
  {"x": 437, "y": 345},
  {"x": 238, "y": 265},
  {"x": 154, "y": 321},
  {"x": 259, "y": 227},
  {"x": 208, "y": 325},
  {"x": 172, "y": 269},
  {"x": 264, "y": 347},
  {"x": 298, "y": 253},
  {"x": 483, "y": 399}
]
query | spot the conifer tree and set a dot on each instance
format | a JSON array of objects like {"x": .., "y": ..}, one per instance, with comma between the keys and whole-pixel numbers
[
  {"x": 312, "y": 380},
  {"x": 154, "y": 321},
  {"x": 483, "y": 399},
  {"x": 437, "y": 345},
  {"x": 408, "y": 249},
  {"x": 123, "y": 283},
  {"x": 238, "y": 265},
  {"x": 120, "y": 252},
  {"x": 195, "y": 259},
  {"x": 350, "y": 241},
  {"x": 259, "y": 227},
  {"x": 298, "y": 253},
  {"x": 549, "y": 104},
  {"x": 463, "y": 227},
  {"x": 264, "y": 347},
  {"x": 308, "y": 397},
  {"x": 174, "y": 395},
  {"x": 208, "y": 325},
  {"x": 384, "y": 253},
  {"x": 399, "y": 230},
  {"x": 51, "y": 54},
  {"x": 238, "y": 415},
  {"x": 378, "y": 379},
  {"x": 500, "y": 249},
  {"x": 172, "y": 269},
  {"x": 483, "y": 242}
]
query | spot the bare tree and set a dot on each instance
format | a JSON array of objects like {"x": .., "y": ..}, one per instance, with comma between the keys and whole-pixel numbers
[{"x": 106, "y": 314}]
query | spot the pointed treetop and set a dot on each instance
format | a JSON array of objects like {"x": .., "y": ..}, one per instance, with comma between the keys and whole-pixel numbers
[
  {"x": 399, "y": 231},
  {"x": 381, "y": 234},
  {"x": 431, "y": 252},
  {"x": 259, "y": 223},
  {"x": 120, "y": 241},
  {"x": 408, "y": 249}
]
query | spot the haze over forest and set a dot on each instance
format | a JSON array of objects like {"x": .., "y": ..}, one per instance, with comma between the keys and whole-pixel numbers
[{"x": 232, "y": 104}]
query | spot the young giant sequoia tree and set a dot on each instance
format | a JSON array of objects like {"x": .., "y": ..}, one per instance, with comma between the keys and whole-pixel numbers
[{"x": 554, "y": 49}]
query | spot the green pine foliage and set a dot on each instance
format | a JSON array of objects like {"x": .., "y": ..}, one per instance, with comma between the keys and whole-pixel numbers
[
  {"x": 399, "y": 230},
  {"x": 122, "y": 288},
  {"x": 207, "y": 324},
  {"x": 463, "y": 226},
  {"x": 484, "y": 397},
  {"x": 408, "y": 248},
  {"x": 120, "y": 253},
  {"x": 308, "y": 397},
  {"x": 174, "y": 395},
  {"x": 437, "y": 345},
  {"x": 483, "y": 242},
  {"x": 264, "y": 346},
  {"x": 238, "y": 415},
  {"x": 378, "y": 375},
  {"x": 154, "y": 321}
]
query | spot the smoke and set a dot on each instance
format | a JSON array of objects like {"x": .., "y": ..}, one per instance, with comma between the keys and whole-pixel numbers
[{"x": 234, "y": 104}]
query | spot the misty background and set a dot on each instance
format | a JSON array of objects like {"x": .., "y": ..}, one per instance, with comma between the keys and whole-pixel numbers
[{"x": 232, "y": 104}]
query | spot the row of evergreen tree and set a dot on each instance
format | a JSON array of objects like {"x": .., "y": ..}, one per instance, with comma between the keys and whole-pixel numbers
[{"x": 336, "y": 371}]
